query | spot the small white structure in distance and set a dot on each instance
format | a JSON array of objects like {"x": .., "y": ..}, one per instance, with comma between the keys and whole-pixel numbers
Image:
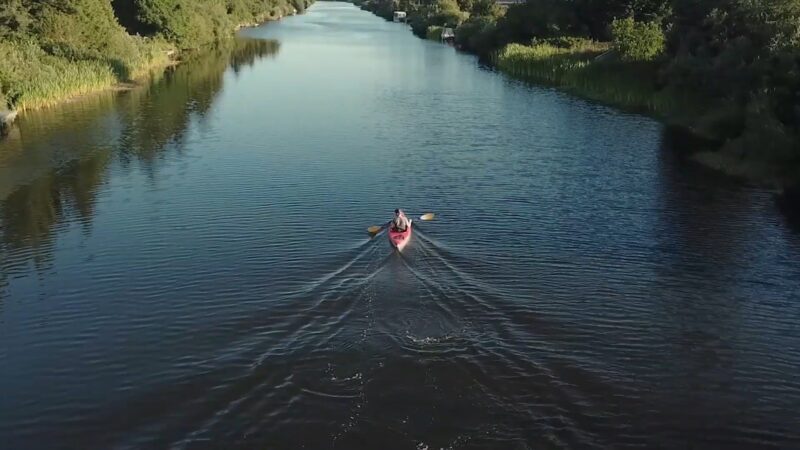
[
  {"x": 448, "y": 34},
  {"x": 399, "y": 16}
]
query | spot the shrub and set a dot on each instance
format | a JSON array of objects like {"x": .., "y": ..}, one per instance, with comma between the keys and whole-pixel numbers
[
  {"x": 487, "y": 8},
  {"x": 625, "y": 84},
  {"x": 31, "y": 78},
  {"x": 382, "y": 8},
  {"x": 448, "y": 14},
  {"x": 539, "y": 19},
  {"x": 187, "y": 23},
  {"x": 442, "y": 13},
  {"x": 434, "y": 33},
  {"x": 477, "y": 34},
  {"x": 637, "y": 41},
  {"x": 55, "y": 49},
  {"x": 419, "y": 24}
]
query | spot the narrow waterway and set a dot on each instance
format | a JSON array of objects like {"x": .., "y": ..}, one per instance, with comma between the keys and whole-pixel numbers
[{"x": 186, "y": 265}]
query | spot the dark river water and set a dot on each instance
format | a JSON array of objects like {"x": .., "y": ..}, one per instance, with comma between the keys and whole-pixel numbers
[{"x": 186, "y": 265}]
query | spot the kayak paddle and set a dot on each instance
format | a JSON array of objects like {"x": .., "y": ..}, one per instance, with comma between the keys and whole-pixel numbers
[{"x": 373, "y": 230}]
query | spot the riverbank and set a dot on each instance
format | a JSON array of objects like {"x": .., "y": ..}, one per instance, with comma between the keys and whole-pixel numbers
[
  {"x": 742, "y": 112},
  {"x": 162, "y": 285},
  {"x": 34, "y": 79},
  {"x": 6, "y": 119},
  {"x": 593, "y": 71},
  {"x": 50, "y": 55}
]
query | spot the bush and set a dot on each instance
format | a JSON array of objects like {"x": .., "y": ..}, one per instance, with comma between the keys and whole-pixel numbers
[
  {"x": 55, "y": 49},
  {"x": 89, "y": 31},
  {"x": 419, "y": 23},
  {"x": 187, "y": 23},
  {"x": 625, "y": 84},
  {"x": 446, "y": 13},
  {"x": 196, "y": 23},
  {"x": 31, "y": 78},
  {"x": 381, "y": 8},
  {"x": 434, "y": 33},
  {"x": 487, "y": 8},
  {"x": 539, "y": 19},
  {"x": 477, "y": 35},
  {"x": 637, "y": 41},
  {"x": 567, "y": 42}
]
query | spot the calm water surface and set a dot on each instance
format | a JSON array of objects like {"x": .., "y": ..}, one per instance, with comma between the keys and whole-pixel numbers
[{"x": 186, "y": 265}]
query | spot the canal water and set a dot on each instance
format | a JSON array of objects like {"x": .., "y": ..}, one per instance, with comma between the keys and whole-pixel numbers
[{"x": 186, "y": 265}]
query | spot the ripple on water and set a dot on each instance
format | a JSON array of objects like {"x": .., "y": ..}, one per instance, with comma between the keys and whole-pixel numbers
[{"x": 187, "y": 266}]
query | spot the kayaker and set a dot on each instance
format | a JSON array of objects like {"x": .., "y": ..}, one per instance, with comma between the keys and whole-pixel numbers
[{"x": 400, "y": 221}]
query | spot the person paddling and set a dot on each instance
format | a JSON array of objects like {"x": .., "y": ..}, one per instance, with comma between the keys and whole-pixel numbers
[
  {"x": 400, "y": 224},
  {"x": 400, "y": 221}
]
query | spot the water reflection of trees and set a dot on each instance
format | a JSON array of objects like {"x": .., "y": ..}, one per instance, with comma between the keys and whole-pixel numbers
[
  {"x": 159, "y": 116},
  {"x": 29, "y": 213},
  {"x": 68, "y": 151}
]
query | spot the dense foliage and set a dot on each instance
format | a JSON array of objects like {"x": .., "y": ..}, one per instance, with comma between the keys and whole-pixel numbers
[
  {"x": 191, "y": 23},
  {"x": 55, "y": 49},
  {"x": 637, "y": 41}
]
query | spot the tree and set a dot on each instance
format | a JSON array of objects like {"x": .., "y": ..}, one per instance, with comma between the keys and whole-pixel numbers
[{"x": 637, "y": 41}]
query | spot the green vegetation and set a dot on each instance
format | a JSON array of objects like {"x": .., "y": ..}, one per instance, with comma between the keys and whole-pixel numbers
[
  {"x": 727, "y": 69},
  {"x": 434, "y": 33},
  {"x": 573, "y": 65},
  {"x": 477, "y": 34},
  {"x": 64, "y": 182},
  {"x": 637, "y": 41},
  {"x": 32, "y": 78},
  {"x": 437, "y": 15},
  {"x": 51, "y": 50},
  {"x": 194, "y": 23}
]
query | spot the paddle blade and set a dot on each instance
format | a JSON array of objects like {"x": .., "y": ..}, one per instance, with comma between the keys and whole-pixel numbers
[
  {"x": 428, "y": 216},
  {"x": 374, "y": 230}
]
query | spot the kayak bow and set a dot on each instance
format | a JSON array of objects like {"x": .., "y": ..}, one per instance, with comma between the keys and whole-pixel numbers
[{"x": 399, "y": 239}]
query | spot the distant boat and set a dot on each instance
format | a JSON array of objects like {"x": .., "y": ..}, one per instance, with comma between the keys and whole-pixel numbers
[
  {"x": 448, "y": 34},
  {"x": 6, "y": 118}
]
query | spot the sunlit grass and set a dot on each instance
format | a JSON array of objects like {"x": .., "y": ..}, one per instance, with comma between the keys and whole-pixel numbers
[
  {"x": 630, "y": 85},
  {"x": 434, "y": 33},
  {"x": 30, "y": 78}
]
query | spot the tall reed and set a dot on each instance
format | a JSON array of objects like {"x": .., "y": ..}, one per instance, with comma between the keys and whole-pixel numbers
[
  {"x": 584, "y": 70},
  {"x": 31, "y": 78}
]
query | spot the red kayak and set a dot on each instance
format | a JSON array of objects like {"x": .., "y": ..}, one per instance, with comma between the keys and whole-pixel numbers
[{"x": 399, "y": 239}]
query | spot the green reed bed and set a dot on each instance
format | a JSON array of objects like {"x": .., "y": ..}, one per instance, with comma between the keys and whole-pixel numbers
[
  {"x": 586, "y": 69},
  {"x": 434, "y": 33},
  {"x": 31, "y": 78}
]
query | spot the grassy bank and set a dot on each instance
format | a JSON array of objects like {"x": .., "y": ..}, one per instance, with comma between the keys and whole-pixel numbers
[
  {"x": 54, "y": 51},
  {"x": 434, "y": 33},
  {"x": 32, "y": 78},
  {"x": 761, "y": 149},
  {"x": 591, "y": 70}
]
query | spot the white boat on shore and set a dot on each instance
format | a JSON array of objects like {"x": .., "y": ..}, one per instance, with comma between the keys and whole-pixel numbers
[{"x": 6, "y": 119}]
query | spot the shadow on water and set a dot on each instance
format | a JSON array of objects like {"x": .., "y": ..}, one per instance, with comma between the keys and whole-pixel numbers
[
  {"x": 711, "y": 254},
  {"x": 52, "y": 169},
  {"x": 788, "y": 202},
  {"x": 679, "y": 144}
]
